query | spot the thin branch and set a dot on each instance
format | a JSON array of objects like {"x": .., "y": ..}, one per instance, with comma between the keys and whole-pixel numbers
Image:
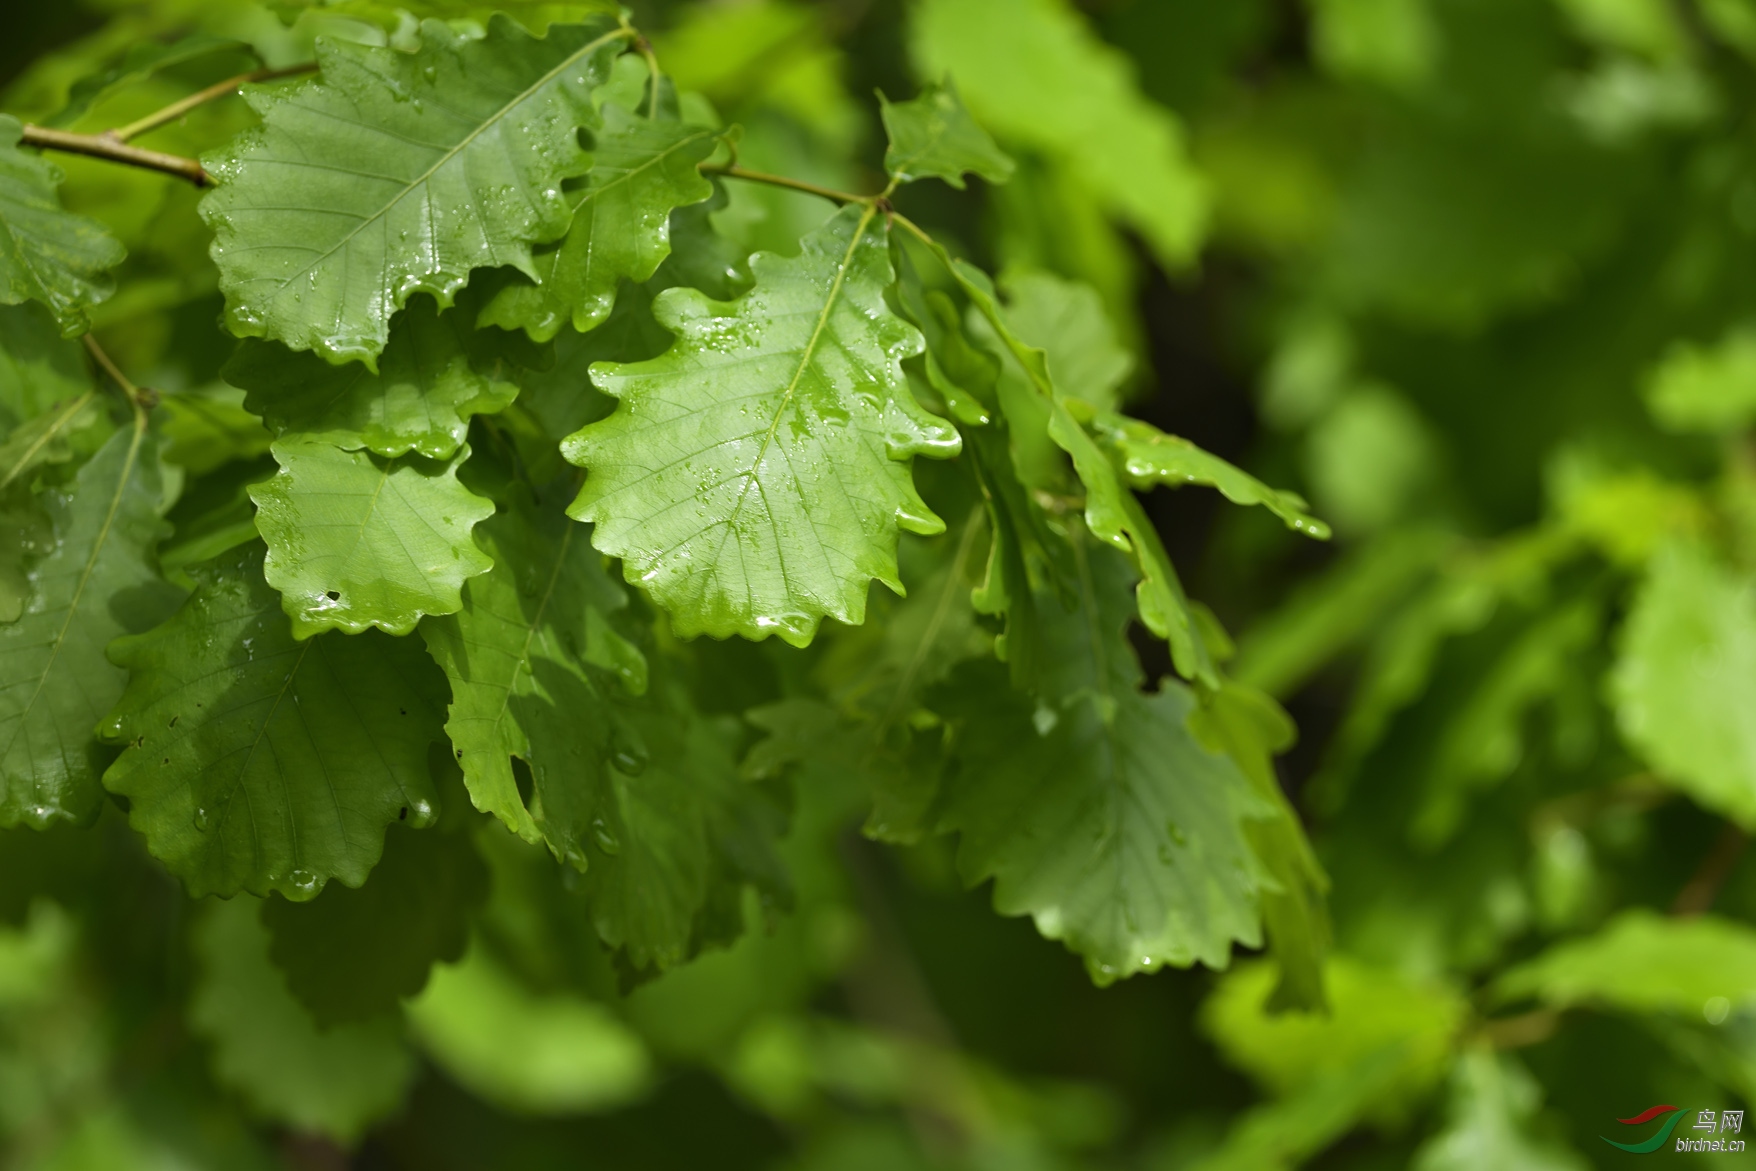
[
  {"x": 732, "y": 171},
  {"x": 1702, "y": 888},
  {"x": 218, "y": 89},
  {"x": 100, "y": 146},
  {"x": 141, "y": 400},
  {"x": 644, "y": 48}
]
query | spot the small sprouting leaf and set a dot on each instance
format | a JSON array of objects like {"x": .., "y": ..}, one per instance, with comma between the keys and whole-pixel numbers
[
  {"x": 47, "y": 254},
  {"x": 1684, "y": 679},
  {"x": 352, "y": 954},
  {"x": 436, "y": 371},
  {"x": 336, "y": 1082},
  {"x": 258, "y": 762},
  {"x": 399, "y": 173},
  {"x": 1099, "y": 813},
  {"x": 55, "y": 683},
  {"x": 934, "y": 137},
  {"x": 642, "y": 168},
  {"x": 357, "y": 540},
  {"x": 754, "y": 476},
  {"x": 1150, "y": 457}
]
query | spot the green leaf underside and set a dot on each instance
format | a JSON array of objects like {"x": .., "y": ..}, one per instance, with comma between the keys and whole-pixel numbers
[
  {"x": 1068, "y": 322},
  {"x": 399, "y": 173},
  {"x": 48, "y": 254},
  {"x": 1149, "y": 457},
  {"x": 257, "y": 762},
  {"x": 641, "y": 170},
  {"x": 356, "y": 540},
  {"x": 335, "y": 1082},
  {"x": 1102, "y": 817},
  {"x": 934, "y": 137},
  {"x": 55, "y": 683},
  {"x": 754, "y": 476},
  {"x": 1111, "y": 511},
  {"x": 633, "y": 792},
  {"x": 431, "y": 378},
  {"x": 352, "y": 954}
]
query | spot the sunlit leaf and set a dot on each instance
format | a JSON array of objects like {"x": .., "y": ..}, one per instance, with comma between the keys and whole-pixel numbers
[
  {"x": 356, "y": 540},
  {"x": 642, "y": 168},
  {"x": 933, "y": 137},
  {"x": 398, "y": 173},
  {"x": 753, "y": 477}
]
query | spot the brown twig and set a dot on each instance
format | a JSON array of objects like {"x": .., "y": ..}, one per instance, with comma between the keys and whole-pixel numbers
[
  {"x": 1703, "y": 886},
  {"x": 733, "y": 171},
  {"x": 99, "y": 146},
  {"x": 218, "y": 89}
]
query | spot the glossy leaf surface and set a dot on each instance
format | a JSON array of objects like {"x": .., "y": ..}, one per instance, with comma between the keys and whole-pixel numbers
[
  {"x": 356, "y": 540},
  {"x": 753, "y": 477},
  {"x": 399, "y": 173},
  {"x": 642, "y": 168}
]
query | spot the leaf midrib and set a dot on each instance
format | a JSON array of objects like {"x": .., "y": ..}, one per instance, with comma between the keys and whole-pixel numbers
[
  {"x": 792, "y": 387},
  {"x": 24, "y": 461},
  {"x": 85, "y": 575}
]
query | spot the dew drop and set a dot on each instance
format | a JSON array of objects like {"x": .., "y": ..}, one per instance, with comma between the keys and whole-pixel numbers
[
  {"x": 627, "y": 755},
  {"x": 304, "y": 885},
  {"x": 202, "y": 820},
  {"x": 606, "y": 839}
]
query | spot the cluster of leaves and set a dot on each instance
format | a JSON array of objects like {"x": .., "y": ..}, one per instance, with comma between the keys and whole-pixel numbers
[{"x": 417, "y": 589}]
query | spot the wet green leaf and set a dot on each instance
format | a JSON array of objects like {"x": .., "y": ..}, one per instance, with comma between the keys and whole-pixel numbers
[
  {"x": 753, "y": 477},
  {"x": 356, "y": 540},
  {"x": 257, "y": 762},
  {"x": 399, "y": 173}
]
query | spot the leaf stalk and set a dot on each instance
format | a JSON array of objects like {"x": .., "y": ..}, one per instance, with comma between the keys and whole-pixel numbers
[
  {"x": 733, "y": 171},
  {"x": 218, "y": 89},
  {"x": 142, "y": 400}
]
